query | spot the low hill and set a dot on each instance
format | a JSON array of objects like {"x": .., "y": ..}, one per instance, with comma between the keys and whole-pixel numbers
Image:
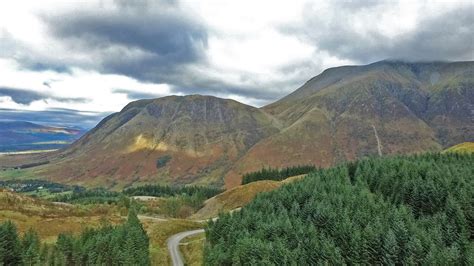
[
  {"x": 466, "y": 147},
  {"x": 238, "y": 197}
]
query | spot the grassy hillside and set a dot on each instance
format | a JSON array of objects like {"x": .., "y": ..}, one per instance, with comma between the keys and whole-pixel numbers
[
  {"x": 238, "y": 197},
  {"x": 50, "y": 219},
  {"x": 393, "y": 210},
  {"x": 466, "y": 147}
]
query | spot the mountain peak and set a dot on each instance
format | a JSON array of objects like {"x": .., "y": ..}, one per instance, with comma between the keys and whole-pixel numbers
[{"x": 200, "y": 137}]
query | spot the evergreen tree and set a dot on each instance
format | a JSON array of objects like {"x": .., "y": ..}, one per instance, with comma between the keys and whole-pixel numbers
[
  {"x": 30, "y": 245},
  {"x": 394, "y": 210},
  {"x": 10, "y": 246}
]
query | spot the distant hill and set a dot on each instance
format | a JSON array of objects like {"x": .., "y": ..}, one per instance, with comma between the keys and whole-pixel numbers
[
  {"x": 23, "y": 136},
  {"x": 344, "y": 113}
]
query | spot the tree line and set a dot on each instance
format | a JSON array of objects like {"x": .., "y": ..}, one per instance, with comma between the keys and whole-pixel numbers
[
  {"x": 102, "y": 195},
  {"x": 277, "y": 174},
  {"x": 31, "y": 185},
  {"x": 125, "y": 244},
  {"x": 168, "y": 191},
  {"x": 395, "y": 210},
  {"x": 90, "y": 196}
]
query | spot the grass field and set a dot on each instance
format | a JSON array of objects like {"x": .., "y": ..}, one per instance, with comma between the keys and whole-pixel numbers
[
  {"x": 192, "y": 249},
  {"x": 160, "y": 231}
]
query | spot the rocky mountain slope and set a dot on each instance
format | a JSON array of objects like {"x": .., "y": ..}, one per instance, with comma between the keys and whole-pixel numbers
[
  {"x": 344, "y": 113},
  {"x": 354, "y": 111},
  {"x": 190, "y": 139}
]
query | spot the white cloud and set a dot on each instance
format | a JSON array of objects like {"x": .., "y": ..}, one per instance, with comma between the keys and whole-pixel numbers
[{"x": 97, "y": 89}]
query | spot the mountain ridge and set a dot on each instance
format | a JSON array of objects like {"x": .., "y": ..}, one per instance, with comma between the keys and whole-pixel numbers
[{"x": 344, "y": 113}]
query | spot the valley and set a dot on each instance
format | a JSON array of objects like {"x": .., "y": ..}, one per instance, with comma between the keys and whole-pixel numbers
[
  {"x": 20, "y": 137},
  {"x": 362, "y": 164}
]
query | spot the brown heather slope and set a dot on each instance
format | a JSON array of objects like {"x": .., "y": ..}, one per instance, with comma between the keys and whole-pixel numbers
[
  {"x": 196, "y": 138},
  {"x": 349, "y": 112}
]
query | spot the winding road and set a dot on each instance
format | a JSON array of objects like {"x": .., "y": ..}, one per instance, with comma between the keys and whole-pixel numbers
[{"x": 173, "y": 245}]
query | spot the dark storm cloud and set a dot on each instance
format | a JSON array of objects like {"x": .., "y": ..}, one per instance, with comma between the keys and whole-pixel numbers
[
  {"x": 60, "y": 117},
  {"x": 141, "y": 39},
  {"x": 24, "y": 96},
  {"x": 448, "y": 36}
]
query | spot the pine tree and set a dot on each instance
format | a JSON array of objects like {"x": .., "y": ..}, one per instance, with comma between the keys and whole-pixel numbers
[
  {"x": 9, "y": 244},
  {"x": 30, "y": 245}
]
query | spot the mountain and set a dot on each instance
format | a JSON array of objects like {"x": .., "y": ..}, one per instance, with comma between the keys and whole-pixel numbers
[
  {"x": 349, "y": 112},
  {"x": 22, "y": 136},
  {"x": 189, "y": 139},
  {"x": 344, "y": 113}
]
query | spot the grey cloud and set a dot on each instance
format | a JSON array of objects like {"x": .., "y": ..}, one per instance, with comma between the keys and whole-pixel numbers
[
  {"x": 148, "y": 45},
  {"x": 60, "y": 117},
  {"x": 31, "y": 64},
  {"x": 448, "y": 36},
  {"x": 20, "y": 95},
  {"x": 222, "y": 89},
  {"x": 144, "y": 4},
  {"x": 24, "y": 96},
  {"x": 159, "y": 42},
  {"x": 168, "y": 41},
  {"x": 27, "y": 57}
]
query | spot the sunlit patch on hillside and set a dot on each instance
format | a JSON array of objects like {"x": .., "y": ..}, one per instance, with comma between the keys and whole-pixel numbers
[
  {"x": 142, "y": 142},
  {"x": 466, "y": 147}
]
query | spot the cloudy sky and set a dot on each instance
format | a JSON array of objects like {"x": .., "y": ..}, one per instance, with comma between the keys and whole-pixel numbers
[{"x": 73, "y": 62}]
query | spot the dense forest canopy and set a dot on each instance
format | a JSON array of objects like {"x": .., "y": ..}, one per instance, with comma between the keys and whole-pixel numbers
[
  {"x": 167, "y": 191},
  {"x": 396, "y": 210}
]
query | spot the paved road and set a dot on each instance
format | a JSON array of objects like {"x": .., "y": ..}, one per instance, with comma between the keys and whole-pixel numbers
[{"x": 173, "y": 245}]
